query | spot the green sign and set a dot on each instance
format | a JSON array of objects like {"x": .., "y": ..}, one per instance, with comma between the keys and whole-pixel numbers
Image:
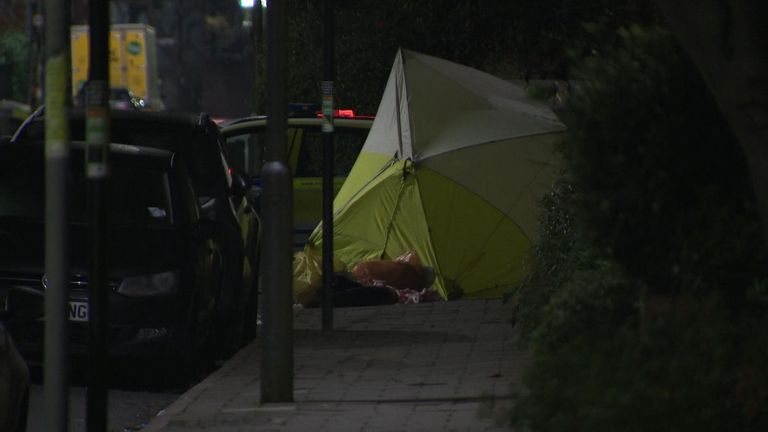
[{"x": 133, "y": 47}]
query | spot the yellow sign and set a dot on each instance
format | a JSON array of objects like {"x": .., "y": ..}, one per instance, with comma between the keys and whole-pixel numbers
[
  {"x": 134, "y": 50},
  {"x": 127, "y": 60},
  {"x": 116, "y": 78},
  {"x": 80, "y": 54}
]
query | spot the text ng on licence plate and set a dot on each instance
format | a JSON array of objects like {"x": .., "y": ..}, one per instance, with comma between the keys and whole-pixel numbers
[{"x": 78, "y": 311}]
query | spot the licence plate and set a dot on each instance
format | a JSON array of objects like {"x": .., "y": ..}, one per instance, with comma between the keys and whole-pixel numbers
[{"x": 78, "y": 311}]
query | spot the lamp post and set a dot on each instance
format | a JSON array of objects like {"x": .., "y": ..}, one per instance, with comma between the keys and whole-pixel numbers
[
  {"x": 57, "y": 154},
  {"x": 37, "y": 31},
  {"x": 328, "y": 162},
  {"x": 277, "y": 205},
  {"x": 254, "y": 20},
  {"x": 97, "y": 125},
  {"x": 248, "y": 18}
]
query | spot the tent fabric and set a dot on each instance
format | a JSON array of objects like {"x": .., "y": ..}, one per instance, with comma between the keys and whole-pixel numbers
[{"x": 454, "y": 167}]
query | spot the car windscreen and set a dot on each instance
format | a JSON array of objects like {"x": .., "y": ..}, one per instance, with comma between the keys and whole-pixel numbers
[{"x": 138, "y": 193}]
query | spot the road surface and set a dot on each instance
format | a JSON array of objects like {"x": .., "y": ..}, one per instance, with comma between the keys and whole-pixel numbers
[{"x": 133, "y": 401}]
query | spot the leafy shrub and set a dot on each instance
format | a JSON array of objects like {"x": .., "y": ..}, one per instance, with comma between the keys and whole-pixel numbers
[
  {"x": 608, "y": 358},
  {"x": 576, "y": 382},
  {"x": 14, "y": 53},
  {"x": 556, "y": 258},
  {"x": 664, "y": 185},
  {"x": 647, "y": 310}
]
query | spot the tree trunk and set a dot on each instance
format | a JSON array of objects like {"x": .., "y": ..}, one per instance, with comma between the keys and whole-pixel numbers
[{"x": 728, "y": 42}]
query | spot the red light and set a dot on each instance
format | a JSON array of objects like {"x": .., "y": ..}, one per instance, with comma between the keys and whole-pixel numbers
[{"x": 341, "y": 113}]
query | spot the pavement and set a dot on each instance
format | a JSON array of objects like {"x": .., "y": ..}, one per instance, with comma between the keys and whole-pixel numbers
[{"x": 445, "y": 366}]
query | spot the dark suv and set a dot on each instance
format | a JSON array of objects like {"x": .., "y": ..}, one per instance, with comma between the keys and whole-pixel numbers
[
  {"x": 164, "y": 256},
  {"x": 196, "y": 140}
]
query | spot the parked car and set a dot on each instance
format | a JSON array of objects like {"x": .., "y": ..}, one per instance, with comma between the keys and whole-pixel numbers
[
  {"x": 246, "y": 145},
  {"x": 220, "y": 191},
  {"x": 164, "y": 256},
  {"x": 14, "y": 385}
]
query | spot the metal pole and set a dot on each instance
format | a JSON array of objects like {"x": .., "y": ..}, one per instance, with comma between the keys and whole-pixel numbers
[
  {"x": 57, "y": 148},
  {"x": 97, "y": 172},
  {"x": 328, "y": 163},
  {"x": 257, "y": 37},
  {"x": 37, "y": 30},
  {"x": 277, "y": 203},
  {"x": 31, "y": 61},
  {"x": 180, "y": 78},
  {"x": 259, "y": 19}
]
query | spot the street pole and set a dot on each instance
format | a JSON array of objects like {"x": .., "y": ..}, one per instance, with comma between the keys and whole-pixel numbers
[
  {"x": 57, "y": 149},
  {"x": 328, "y": 162},
  {"x": 97, "y": 172},
  {"x": 31, "y": 62},
  {"x": 37, "y": 29},
  {"x": 277, "y": 203},
  {"x": 257, "y": 37}
]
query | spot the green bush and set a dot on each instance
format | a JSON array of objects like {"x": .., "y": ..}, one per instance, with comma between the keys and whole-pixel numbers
[
  {"x": 509, "y": 39},
  {"x": 664, "y": 185},
  {"x": 14, "y": 51},
  {"x": 576, "y": 381},
  {"x": 647, "y": 310},
  {"x": 556, "y": 258},
  {"x": 608, "y": 358}
]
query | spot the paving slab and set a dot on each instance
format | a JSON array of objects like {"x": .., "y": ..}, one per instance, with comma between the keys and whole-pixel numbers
[{"x": 445, "y": 366}]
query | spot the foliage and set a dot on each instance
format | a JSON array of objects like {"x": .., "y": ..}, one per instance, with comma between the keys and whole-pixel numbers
[
  {"x": 558, "y": 254},
  {"x": 648, "y": 308},
  {"x": 608, "y": 358},
  {"x": 14, "y": 52},
  {"x": 511, "y": 39},
  {"x": 651, "y": 154}
]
